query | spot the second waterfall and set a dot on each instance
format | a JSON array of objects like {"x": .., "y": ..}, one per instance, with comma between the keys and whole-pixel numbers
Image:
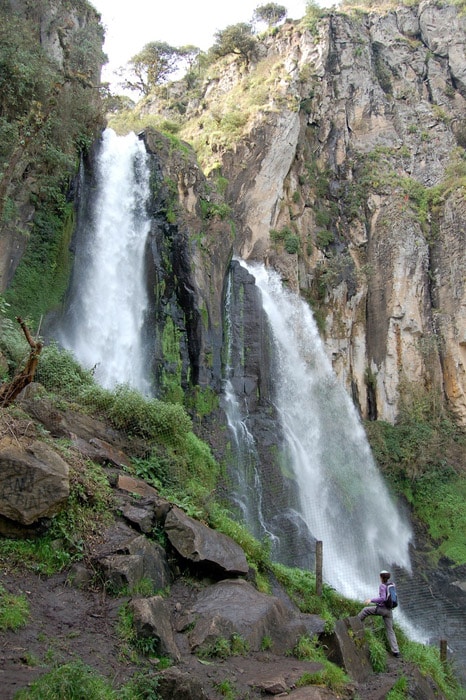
[{"x": 339, "y": 493}]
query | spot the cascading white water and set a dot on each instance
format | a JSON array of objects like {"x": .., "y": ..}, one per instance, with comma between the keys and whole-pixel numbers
[
  {"x": 103, "y": 326},
  {"x": 343, "y": 498}
]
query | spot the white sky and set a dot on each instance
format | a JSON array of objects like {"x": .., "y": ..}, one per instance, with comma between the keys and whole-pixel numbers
[{"x": 130, "y": 24}]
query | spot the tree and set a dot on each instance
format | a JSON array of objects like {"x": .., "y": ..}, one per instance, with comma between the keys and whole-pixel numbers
[
  {"x": 151, "y": 66},
  {"x": 237, "y": 39},
  {"x": 10, "y": 390},
  {"x": 270, "y": 13}
]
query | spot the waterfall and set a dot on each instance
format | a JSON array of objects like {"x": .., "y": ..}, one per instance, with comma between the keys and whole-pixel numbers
[
  {"x": 104, "y": 322},
  {"x": 342, "y": 496}
]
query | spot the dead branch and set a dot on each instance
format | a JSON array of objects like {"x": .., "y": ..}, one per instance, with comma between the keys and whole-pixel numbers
[{"x": 10, "y": 390}]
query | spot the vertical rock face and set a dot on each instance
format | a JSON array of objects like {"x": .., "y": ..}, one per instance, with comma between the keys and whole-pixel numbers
[
  {"x": 56, "y": 96},
  {"x": 347, "y": 178}
]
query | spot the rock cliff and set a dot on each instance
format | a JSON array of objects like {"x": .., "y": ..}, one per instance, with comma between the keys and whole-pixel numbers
[
  {"x": 342, "y": 144},
  {"x": 50, "y": 112}
]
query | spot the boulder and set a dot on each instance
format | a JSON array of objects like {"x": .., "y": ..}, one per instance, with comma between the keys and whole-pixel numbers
[
  {"x": 236, "y": 607},
  {"x": 100, "y": 451},
  {"x": 34, "y": 483},
  {"x": 128, "y": 558},
  {"x": 347, "y": 648},
  {"x": 197, "y": 543},
  {"x": 122, "y": 571},
  {"x": 175, "y": 683},
  {"x": 147, "y": 496},
  {"x": 151, "y": 618},
  {"x": 140, "y": 516},
  {"x": 155, "y": 565}
]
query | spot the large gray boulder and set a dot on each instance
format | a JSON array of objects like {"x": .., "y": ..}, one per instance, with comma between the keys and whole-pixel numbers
[
  {"x": 234, "y": 606},
  {"x": 34, "y": 482},
  {"x": 200, "y": 545}
]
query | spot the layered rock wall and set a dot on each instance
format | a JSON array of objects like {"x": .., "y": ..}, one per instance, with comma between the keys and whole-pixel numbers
[{"x": 357, "y": 149}]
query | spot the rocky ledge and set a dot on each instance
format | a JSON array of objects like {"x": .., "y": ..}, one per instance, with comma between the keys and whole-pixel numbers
[{"x": 207, "y": 593}]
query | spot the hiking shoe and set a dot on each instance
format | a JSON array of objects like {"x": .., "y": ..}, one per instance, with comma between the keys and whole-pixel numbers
[{"x": 396, "y": 654}]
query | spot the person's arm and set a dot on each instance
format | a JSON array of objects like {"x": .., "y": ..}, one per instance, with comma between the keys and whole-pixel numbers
[{"x": 381, "y": 598}]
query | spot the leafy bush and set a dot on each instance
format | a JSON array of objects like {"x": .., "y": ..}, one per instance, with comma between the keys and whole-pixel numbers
[
  {"x": 148, "y": 418},
  {"x": 59, "y": 372}
]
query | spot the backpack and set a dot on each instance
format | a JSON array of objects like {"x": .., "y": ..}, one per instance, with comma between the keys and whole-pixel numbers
[{"x": 391, "y": 601}]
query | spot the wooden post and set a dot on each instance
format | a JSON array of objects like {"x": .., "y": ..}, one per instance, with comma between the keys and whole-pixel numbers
[
  {"x": 443, "y": 651},
  {"x": 319, "y": 562}
]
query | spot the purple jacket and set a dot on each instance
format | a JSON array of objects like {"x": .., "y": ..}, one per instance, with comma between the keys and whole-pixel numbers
[{"x": 382, "y": 595}]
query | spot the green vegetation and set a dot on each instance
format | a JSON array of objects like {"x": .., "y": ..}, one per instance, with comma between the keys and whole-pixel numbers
[
  {"x": 312, "y": 17},
  {"x": 48, "y": 117},
  {"x": 330, "y": 675},
  {"x": 223, "y": 648},
  {"x": 271, "y": 13},
  {"x": 153, "y": 64},
  {"x": 76, "y": 681},
  {"x": 73, "y": 681},
  {"x": 14, "y": 610},
  {"x": 421, "y": 456},
  {"x": 286, "y": 237},
  {"x": 235, "y": 39}
]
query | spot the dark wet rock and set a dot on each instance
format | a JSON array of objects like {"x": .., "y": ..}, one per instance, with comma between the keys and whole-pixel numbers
[
  {"x": 151, "y": 618},
  {"x": 201, "y": 545},
  {"x": 347, "y": 648}
]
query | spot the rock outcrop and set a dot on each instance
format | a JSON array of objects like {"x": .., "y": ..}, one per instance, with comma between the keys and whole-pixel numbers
[
  {"x": 354, "y": 147},
  {"x": 188, "y": 614}
]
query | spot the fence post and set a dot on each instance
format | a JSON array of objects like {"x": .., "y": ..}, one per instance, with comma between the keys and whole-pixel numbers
[
  {"x": 443, "y": 651},
  {"x": 319, "y": 563}
]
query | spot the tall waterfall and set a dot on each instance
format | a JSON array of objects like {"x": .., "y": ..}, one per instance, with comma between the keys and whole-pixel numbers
[
  {"x": 104, "y": 324},
  {"x": 343, "y": 498}
]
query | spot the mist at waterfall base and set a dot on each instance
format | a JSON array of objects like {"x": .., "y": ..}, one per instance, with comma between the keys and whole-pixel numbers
[
  {"x": 104, "y": 324},
  {"x": 342, "y": 496}
]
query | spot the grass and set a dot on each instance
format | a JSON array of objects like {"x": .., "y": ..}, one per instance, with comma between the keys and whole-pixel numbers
[
  {"x": 223, "y": 648},
  {"x": 330, "y": 675},
  {"x": 73, "y": 681},
  {"x": 78, "y": 681},
  {"x": 14, "y": 610},
  {"x": 427, "y": 659}
]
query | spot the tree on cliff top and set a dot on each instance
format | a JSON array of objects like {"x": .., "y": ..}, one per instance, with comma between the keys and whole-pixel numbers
[
  {"x": 271, "y": 13},
  {"x": 237, "y": 39},
  {"x": 153, "y": 64}
]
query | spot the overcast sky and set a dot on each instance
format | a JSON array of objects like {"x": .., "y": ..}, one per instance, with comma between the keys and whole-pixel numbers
[{"x": 130, "y": 24}]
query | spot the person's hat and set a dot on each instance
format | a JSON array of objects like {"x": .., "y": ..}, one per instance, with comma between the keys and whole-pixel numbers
[{"x": 384, "y": 572}]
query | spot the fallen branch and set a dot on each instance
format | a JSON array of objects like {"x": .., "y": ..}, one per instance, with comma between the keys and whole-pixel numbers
[{"x": 10, "y": 390}]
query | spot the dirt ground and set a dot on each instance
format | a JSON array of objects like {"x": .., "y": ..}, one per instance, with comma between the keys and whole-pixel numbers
[{"x": 67, "y": 623}]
